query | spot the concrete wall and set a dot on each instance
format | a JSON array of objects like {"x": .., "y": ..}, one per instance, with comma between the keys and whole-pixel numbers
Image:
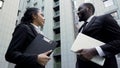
[
  {"x": 8, "y": 15},
  {"x": 67, "y": 34}
]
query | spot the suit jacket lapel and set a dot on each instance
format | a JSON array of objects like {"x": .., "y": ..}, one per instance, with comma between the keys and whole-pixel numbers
[
  {"x": 32, "y": 30},
  {"x": 89, "y": 24}
]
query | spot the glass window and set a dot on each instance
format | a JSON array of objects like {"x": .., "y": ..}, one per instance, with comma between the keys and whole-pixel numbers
[
  {"x": 76, "y": 20},
  {"x": 105, "y": 0},
  {"x": 35, "y": 4},
  {"x": 57, "y": 57},
  {"x": 18, "y": 12},
  {"x": 57, "y": 3},
  {"x": 42, "y": 8},
  {"x": 28, "y": 1},
  {"x": 1, "y": 3},
  {"x": 16, "y": 23},
  {"x": 87, "y": 0},
  {"x": 108, "y": 3}
]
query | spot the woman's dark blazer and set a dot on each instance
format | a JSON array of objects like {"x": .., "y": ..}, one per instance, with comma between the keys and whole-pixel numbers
[
  {"x": 105, "y": 29},
  {"x": 22, "y": 37}
]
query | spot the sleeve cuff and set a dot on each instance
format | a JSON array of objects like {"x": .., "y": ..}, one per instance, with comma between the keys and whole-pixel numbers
[{"x": 100, "y": 51}]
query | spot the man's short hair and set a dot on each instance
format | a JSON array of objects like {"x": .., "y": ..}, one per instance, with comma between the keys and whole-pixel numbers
[{"x": 90, "y": 6}]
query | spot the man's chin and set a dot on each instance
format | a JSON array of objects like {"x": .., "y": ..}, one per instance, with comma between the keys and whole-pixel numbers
[{"x": 80, "y": 20}]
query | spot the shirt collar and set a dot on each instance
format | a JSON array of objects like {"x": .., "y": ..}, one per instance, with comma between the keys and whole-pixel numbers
[
  {"x": 89, "y": 19},
  {"x": 36, "y": 27}
]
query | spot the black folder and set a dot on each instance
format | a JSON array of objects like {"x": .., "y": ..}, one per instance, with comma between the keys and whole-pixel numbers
[{"x": 40, "y": 45}]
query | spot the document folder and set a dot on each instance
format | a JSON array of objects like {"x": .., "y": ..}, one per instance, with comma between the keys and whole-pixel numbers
[
  {"x": 40, "y": 45},
  {"x": 83, "y": 41}
]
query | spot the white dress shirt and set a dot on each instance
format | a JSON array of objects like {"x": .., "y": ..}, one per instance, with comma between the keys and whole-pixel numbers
[{"x": 37, "y": 28}]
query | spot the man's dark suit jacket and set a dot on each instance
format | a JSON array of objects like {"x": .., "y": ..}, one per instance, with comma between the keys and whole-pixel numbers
[
  {"x": 22, "y": 37},
  {"x": 105, "y": 29}
]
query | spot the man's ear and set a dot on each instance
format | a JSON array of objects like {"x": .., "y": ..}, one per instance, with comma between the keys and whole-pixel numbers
[{"x": 88, "y": 9}]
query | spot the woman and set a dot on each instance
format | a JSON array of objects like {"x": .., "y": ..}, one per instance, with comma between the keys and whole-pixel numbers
[{"x": 23, "y": 35}]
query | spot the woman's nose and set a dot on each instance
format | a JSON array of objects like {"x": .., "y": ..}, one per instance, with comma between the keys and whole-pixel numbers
[{"x": 44, "y": 19}]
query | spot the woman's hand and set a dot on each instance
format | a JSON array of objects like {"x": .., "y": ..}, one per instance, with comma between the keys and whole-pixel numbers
[{"x": 43, "y": 58}]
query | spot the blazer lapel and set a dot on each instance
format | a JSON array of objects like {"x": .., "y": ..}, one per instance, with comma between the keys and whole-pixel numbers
[
  {"x": 89, "y": 24},
  {"x": 32, "y": 30}
]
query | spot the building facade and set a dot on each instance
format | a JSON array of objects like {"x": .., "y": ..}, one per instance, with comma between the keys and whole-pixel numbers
[{"x": 8, "y": 13}]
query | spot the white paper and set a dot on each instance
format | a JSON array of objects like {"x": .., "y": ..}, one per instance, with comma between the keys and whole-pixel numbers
[
  {"x": 98, "y": 60},
  {"x": 83, "y": 41}
]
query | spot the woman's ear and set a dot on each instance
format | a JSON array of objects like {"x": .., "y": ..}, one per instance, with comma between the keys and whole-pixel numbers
[{"x": 34, "y": 16}]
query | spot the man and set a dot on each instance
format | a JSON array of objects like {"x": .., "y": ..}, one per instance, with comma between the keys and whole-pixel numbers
[{"x": 103, "y": 28}]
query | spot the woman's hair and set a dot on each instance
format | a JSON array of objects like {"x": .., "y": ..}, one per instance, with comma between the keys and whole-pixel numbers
[{"x": 28, "y": 15}]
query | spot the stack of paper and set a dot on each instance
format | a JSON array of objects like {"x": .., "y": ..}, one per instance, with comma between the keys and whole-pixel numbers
[{"x": 83, "y": 41}]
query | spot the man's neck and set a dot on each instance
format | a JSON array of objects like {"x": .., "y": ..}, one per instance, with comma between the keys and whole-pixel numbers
[{"x": 89, "y": 19}]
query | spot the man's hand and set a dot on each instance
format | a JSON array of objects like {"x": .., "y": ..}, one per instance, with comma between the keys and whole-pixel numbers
[{"x": 87, "y": 53}]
